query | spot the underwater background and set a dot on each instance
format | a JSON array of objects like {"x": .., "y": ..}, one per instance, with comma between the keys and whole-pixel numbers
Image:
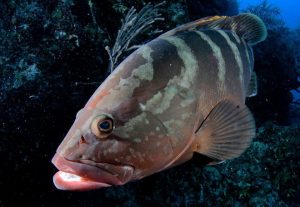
[{"x": 53, "y": 57}]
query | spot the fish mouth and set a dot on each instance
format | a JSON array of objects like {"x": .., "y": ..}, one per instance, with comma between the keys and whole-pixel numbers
[{"x": 88, "y": 175}]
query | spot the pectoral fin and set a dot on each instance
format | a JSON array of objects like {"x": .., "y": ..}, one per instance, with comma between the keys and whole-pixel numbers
[{"x": 226, "y": 132}]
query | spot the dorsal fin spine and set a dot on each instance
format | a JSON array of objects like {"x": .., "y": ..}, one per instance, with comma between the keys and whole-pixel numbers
[{"x": 247, "y": 26}]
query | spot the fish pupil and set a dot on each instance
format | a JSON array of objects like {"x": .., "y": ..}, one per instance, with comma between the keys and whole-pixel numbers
[{"x": 104, "y": 125}]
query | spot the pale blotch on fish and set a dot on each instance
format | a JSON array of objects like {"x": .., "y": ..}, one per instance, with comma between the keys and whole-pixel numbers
[
  {"x": 140, "y": 156},
  {"x": 187, "y": 102},
  {"x": 131, "y": 150},
  {"x": 247, "y": 54},
  {"x": 142, "y": 106},
  {"x": 128, "y": 158},
  {"x": 123, "y": 131},
  {"x": 160, "y": 102},
  {"x": 113, "y": 149},
  {"x": 153, "y": 102},
  {"x": 165, "y": 101},
  {"x": 188, "y": 73},
  {"x": 172, "y": 125},
  {"x": 236, "y": 37},
  {"x": 166, "y": 150},
  {"x": 219, "y": 56},
  {"x": 236, "y": 53},
  {"x": 126, "y": 87},
  {"x": 186, "y": 115},
  {"x": 137, "y": 140}
]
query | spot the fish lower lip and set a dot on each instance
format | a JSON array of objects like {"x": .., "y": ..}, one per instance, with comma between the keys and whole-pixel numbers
[
  {"x": 88, "y": 175},
  {"x": 68, "y": 181}
]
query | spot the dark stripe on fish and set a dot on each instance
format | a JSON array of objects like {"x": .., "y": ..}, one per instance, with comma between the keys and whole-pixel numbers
[
  {"x": 232, "y": 68},
  {"x": 166, "y": 65},
  {"x": 246, "y": 65},
  {"x": 207, "y": 77}
]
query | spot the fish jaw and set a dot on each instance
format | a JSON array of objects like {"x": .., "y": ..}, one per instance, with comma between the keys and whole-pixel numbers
[
  {"x": 68, "y": 181},
  {"x": 88, "y": 175}
]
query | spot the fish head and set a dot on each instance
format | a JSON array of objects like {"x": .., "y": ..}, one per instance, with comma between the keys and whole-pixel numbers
[
  {"x": 111, "y": 146},
  {"x": 101, "y": 150}
]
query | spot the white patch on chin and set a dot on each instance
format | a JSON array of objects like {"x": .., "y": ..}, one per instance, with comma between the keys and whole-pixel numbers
[{"x": 68, "y": 177}]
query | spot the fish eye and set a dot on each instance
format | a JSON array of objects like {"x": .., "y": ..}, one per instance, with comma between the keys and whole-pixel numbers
[
  {"x": 102, "y": 126},
  {"x": 105, "y": 125}
]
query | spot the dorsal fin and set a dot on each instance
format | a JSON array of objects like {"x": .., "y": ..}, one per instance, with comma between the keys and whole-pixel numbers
[
  {"x": 247, "y": 26},
  {"x": 226, "y": 132},
  {"x": 195, "y": 25}
]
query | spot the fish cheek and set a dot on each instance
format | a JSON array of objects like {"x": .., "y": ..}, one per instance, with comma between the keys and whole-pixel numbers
[
  {"x": 143, "y": 143},
  {"x": 150, "y": 155},
  {"x": 117, "y": 152},
  {"x": 111, "y": 150},
  {"x": 146, "y": 154}
]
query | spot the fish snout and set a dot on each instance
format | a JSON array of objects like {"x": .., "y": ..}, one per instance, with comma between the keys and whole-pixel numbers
[{"x": 87, "y": 175}]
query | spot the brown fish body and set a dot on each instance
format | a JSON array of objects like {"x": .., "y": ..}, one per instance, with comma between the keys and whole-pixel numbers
[{"x": 181, "y": 93}]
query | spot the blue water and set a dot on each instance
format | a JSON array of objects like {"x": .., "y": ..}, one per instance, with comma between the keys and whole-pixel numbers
[
  {"x": 290, "y": 10},
  {"x": 290, "y": 13}
]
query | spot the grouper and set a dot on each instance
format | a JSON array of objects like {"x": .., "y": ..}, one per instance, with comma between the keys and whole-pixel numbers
[{"x": 180, "y": 95}]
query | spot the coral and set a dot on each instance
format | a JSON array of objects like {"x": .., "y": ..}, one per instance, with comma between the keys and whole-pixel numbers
[
  {"x": 269, "y": 13},
  {"x": 50, "y": 37},
  {"x": 132, "y": 25},
  {"x": 178, "y": 12}
]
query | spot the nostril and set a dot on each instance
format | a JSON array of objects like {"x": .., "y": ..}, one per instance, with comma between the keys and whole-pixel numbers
[{"x": 82, "y": 140}]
